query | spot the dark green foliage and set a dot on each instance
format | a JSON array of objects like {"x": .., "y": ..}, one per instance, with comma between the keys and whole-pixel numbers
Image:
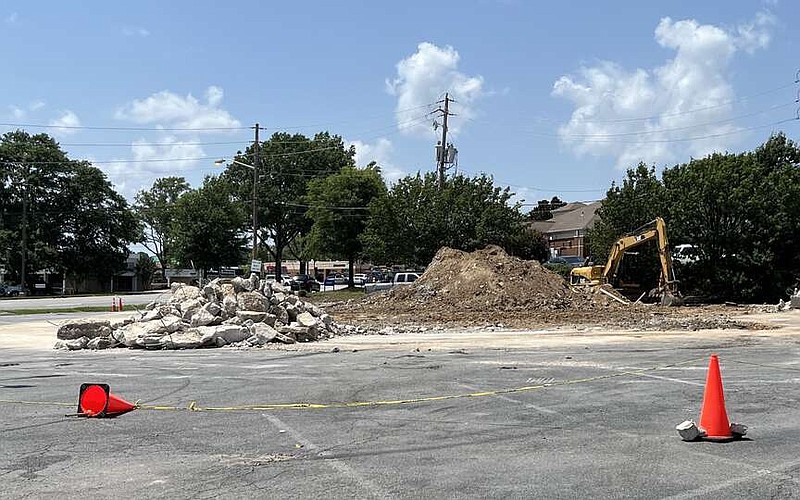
[
  {"x": 208, "y": 226},
  {"x": 544, "y": 209},
  {"x": 75, "y": 221},
  {"x": 528, "y": 244},
  {"x": 337, "y": 210},
  {"x": 415, "y": 219},
  {"x": 145, "y": 269},
  {"x": 741, "y": 211},
  {"x": 155, "y": 207},
  {"x": 287, "y": 163}
]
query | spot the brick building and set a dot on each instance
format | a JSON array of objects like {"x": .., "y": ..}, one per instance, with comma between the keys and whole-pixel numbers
[{"x": 566, "y": 231}]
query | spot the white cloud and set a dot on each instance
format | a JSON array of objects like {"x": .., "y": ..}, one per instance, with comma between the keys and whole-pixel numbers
[
  {"x": 17, "y": 113},
  {"x": 380, "y": 152},
  {"x": 423, "y": 78},
  {"x": 135, "y": 31},
  {"x": 12, "y": 18},
  {"x": 687, "y": 96},
  {"x": 65, "y": 123},
  {"x": 171, "y": 110},
  {"x": 168, "y": 155},
  {"x": 36, "y": 105}
]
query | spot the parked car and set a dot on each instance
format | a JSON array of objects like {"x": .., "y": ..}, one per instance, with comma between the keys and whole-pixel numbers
[
  {"x": 269, "y": 278},
  {"x": 399, "y": 280},
  {"x": 568, "y": 260},
  {"x": 359, "y": 279},
  {"x": 304, "y": 282},
  {"x": 685, "y": 254},
  {"x": 8, "y": 290},
  {"x": 335, "y": 279}
]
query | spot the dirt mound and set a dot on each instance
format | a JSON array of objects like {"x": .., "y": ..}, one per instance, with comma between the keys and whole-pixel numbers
[
  {"x": 488, "y": 279},
  {"x": 482, "y": 285}
]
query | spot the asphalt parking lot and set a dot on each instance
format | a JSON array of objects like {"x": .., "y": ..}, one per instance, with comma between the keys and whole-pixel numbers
[{"x": 598, "y": 421}]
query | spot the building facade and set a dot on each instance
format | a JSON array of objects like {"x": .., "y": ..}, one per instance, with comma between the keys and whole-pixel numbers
[{"x": 566, "y": 231}]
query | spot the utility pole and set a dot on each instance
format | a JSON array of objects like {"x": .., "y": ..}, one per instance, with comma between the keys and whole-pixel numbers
[
  {"x": 443, "y": 150},
  {"x": 256, "y": 159},
  {"x": 23, "y": 275}
]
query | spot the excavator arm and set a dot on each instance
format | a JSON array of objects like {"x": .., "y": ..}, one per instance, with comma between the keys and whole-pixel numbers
[
  {"x": 601, "y": 275},
  {"x": 655, "y": 230}
]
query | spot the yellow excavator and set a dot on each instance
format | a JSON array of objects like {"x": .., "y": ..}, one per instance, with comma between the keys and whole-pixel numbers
[{"x": 602, "y": 276}]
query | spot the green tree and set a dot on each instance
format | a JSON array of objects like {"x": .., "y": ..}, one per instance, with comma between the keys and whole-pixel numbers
[
  {"x": 639, "y": 200},
  {"x": 338, "y": 211},
  {"x": 145, "y": 269},
  {"x": 287, "y": 162},
  {"x": 527, "y": 243},
  {"x": 155, "y": 207},
  {"x": 544, "y": 208},
  {"x": 71, "y": 218},
  {"x": 209, "y": 226},
  {"x": 415, "y": 219},
  {"x": 740, "y": 212},
  {"x": 98, "y": 228}
]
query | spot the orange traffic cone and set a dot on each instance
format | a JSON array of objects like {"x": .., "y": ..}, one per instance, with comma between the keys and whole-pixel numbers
[
  {"x": 121, "y": 305},
  {"x": 95, "y": 400},
  {"x": 713, "y": 417},
  {"x": 113, "y": 304}
]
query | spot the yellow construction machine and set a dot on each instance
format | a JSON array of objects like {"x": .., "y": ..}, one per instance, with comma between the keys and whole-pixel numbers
[{"x": 601, "y": 277}]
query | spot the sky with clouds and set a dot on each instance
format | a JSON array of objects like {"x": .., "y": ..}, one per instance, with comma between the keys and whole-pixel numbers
[{"x": 552, "y": 98}]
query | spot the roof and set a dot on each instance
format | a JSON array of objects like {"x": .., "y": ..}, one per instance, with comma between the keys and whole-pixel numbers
[{"x": 570, "y": 217}]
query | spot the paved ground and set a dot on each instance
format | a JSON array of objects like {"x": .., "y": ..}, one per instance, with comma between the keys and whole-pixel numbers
[
  {"x": 606, "y": 435},
  {"x": 68, "y": 301}
]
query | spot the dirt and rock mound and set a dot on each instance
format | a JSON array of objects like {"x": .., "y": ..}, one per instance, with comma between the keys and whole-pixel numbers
[
  {"x": 486, "y": 286},
  {"x": 489, "y": 279}
]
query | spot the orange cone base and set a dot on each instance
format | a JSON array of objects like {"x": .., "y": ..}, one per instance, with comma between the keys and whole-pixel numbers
[{"x": 96, "y": 401}]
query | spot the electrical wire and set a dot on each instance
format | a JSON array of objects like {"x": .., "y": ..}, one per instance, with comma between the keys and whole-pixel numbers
[{"x": 681, "y": 113}]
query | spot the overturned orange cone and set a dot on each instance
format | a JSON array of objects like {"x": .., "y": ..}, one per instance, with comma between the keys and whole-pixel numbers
[{"x": 95, "y": 400}]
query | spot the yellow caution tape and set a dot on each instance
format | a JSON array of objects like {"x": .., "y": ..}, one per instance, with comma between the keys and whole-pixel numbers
[{"x": 193, "y": 406}]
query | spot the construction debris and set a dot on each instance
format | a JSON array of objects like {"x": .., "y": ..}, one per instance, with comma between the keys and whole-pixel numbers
[
  {"x": 488, "y": 288},
  {"x": 238, "y": 312}
]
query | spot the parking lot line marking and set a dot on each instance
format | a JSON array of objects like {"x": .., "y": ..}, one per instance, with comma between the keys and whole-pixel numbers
[
  {"x": 512, "y": 400},
  {"x": 778, "y": 472},
  {"x": 337, "y": 464},
  {"x": 671, "y": 379}
]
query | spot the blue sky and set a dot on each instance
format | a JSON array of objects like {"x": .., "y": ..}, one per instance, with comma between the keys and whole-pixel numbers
[{"x": 554, "y": 98}]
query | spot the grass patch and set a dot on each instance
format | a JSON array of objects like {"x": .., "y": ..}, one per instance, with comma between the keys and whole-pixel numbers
[{"x": 50, "y": 310}]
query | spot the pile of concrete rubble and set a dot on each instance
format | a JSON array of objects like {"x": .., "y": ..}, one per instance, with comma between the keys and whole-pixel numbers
[{"x": 237, "y": 312}]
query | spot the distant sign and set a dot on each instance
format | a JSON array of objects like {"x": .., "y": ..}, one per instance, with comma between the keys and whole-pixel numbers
[{"x": 255, "y": 266}]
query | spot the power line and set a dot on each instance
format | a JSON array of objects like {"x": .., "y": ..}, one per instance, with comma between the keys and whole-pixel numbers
[
  {"x": 680, "y": 113},
  {"x": 193, "y": 129},
  {"x": 698, "y": 125}
]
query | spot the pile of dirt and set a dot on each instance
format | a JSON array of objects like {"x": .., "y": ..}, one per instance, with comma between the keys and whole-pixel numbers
[
  {"x": 484, "y": 286},
  {"x": 489, "y": 279}
]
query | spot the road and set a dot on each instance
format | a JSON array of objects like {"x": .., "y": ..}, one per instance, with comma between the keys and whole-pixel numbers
[
  {"x": 599, "y": 421},
  {"x": 68, "y": 301}
]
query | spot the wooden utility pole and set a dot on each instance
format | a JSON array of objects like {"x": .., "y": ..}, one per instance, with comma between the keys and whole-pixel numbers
[
  {"x": 256, "y": 159},
  {"x": 23, "y": 275},
  {"x": 443, "y": 149}
]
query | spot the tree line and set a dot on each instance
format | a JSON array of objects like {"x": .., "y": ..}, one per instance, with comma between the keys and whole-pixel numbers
[
  {"x": 63, "y": 215},
  {"x": 740, "y": 212}
]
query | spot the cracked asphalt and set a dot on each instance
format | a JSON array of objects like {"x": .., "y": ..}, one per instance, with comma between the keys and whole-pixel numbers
[{"x": 596, "y": 431}]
